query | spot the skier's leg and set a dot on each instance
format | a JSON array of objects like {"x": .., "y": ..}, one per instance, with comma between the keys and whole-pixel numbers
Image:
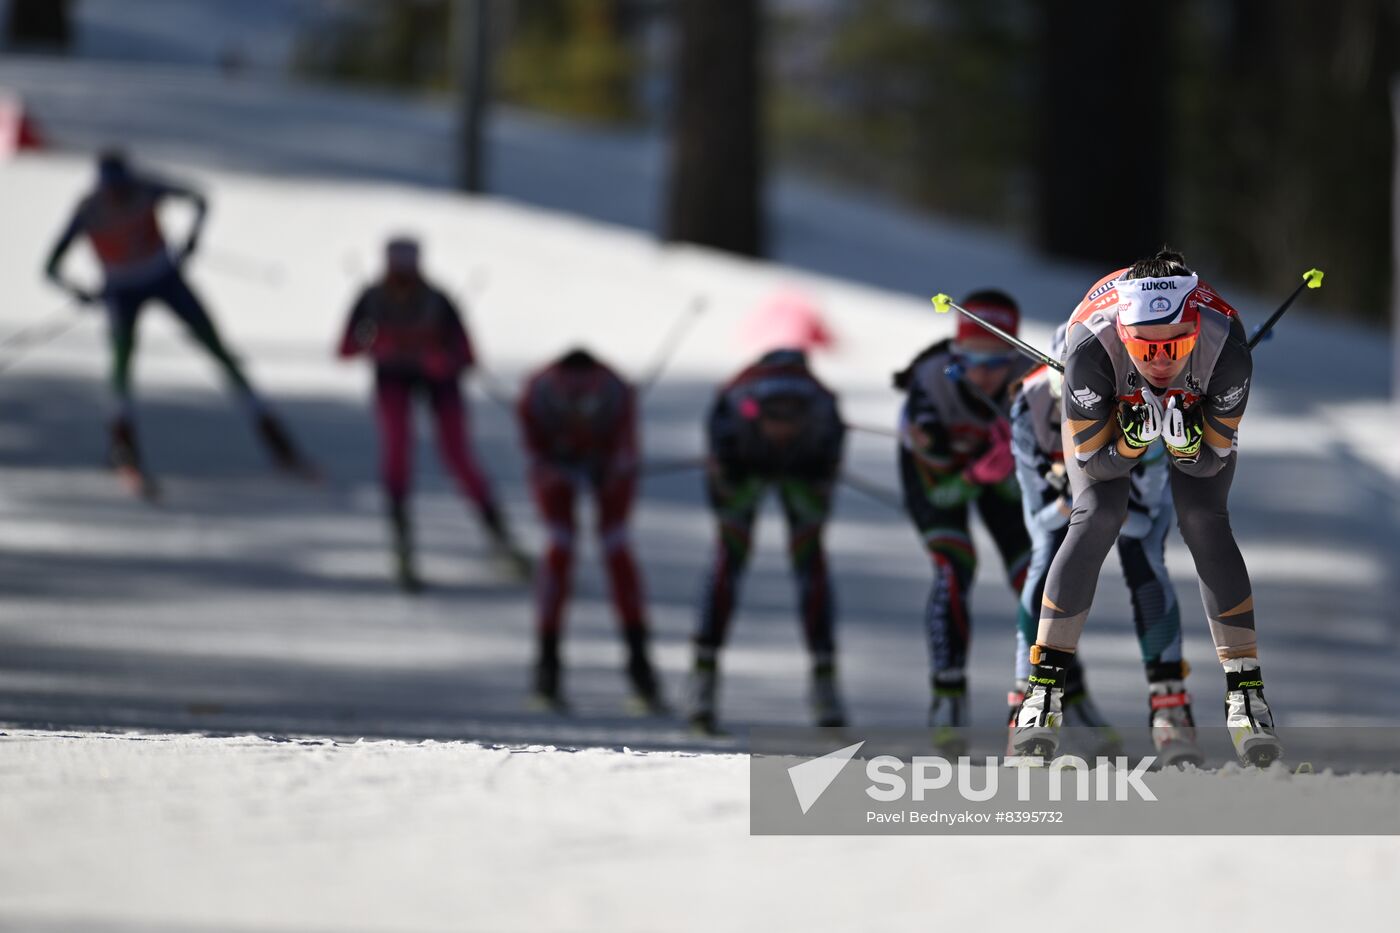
[
  {"x": 615, "y": 496},
  {"x": 176, "y": 293},
  {"x": 124, "y": 453},
  {"x": 734, "y": 501},
  {"x": 1203, "y": 514},
  {"x": 807, "y": 507},
  {"x": 945, "y": 534},
  {"x": 1044, "y": 543},
  {"x": 553, "y": 492},
  {"x": 393, "y": 409},
  {"x": 1095, "y": 519},
  {"x": 454, "y": 447}
]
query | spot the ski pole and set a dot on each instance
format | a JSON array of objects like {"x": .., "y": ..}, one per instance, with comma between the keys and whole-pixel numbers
[
  {"x": 672, "y": 342},
  {"x": 477, "y": 280},
  {"x": 242, "y": 267},
  {"x": 680, "y": 465},
  {"x": 868, "y": 429},
  {"x": 47, "y": 329},
  {"x": 942, "y": 304},
  {"x": 873, "y": 491},
  {"x": 1311, "y": 279}
]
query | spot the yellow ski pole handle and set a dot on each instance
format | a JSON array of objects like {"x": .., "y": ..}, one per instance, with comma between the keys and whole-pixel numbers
[{"x": 1311, "y": 279}]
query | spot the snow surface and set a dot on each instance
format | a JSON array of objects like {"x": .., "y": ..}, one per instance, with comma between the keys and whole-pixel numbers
[
  {"x": 246, "y": 604},
  {"x": 164, "y": 832}
]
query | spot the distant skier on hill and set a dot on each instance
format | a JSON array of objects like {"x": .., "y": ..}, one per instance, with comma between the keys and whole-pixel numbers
[
  {"x": 119, "y": 218},
  {"x": 415, "y": 338}
]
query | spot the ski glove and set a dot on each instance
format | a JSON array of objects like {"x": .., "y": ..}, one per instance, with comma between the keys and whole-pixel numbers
[
  {"x": 1182, "y": 431},
  {"x": 1141, "y": 424},
  {"x": 996, "y": 464}
]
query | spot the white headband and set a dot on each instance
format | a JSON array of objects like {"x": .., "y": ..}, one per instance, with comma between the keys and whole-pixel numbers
[{"x": 1154, "y": 301}]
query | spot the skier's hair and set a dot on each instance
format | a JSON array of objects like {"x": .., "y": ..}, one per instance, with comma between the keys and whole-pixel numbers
[
  {"x": 578, "y": 358},
  {"x": 1168, "y": 262},
  {"x": 994, "y": 297}
]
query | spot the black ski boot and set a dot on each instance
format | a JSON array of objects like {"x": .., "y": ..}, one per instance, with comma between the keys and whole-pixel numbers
[
  {"x": 404, "y": 571},
  {"x": 828, "y": 712},
  {"x": 548, "y": 692},
  {"x": 646, "y": 690}
]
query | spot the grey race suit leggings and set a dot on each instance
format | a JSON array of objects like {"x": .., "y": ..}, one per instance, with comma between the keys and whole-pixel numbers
[{"x": 1202, "y": 512}]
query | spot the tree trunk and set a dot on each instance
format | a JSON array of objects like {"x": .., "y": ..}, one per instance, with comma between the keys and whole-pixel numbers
[
  {"x": 716, "y": 184},
  {"x": 39, "y": 23},
  {"x": 1106, "y": 128},
  {"x": 473, "y": 53}
]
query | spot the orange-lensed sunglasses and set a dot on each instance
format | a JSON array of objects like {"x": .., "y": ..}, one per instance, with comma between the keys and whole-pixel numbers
[{"x": 1174, "y": 348}]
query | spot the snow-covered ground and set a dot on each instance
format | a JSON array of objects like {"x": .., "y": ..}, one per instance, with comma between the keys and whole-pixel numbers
[
  {"x": 173, "y": 833},
  {"x": 245, "y": 604}
]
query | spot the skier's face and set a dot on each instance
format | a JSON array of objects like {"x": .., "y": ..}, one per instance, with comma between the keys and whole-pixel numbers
[
  {"x": 1168, "y": 346},
  {"x": 986, "y": 364}
]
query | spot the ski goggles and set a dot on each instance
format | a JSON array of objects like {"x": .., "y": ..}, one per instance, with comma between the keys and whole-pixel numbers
[
  {"x": 1174, "y": 348},
  {"x": 988, "y": 358}
]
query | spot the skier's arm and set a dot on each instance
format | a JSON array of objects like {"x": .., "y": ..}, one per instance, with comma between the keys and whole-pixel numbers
[
  {"x": 1091, "y": 411},
  {"x": 1217, "y": 415},
  {"x": 359, "y": 329},
  {"x": 532, "y": 432},
  {"x": 168, "y": 189},
  {"x": 454, "y": 337},
  {"x": 1042, "y": 504},
  {"x": 53, "y": 265}
]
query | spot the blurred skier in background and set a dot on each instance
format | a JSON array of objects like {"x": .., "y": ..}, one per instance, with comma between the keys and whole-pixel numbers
[
  {"x": 120, "y": 220},
  {"x": 1047, "y": 503},
  {"x": 955, "y": 456},
  {"x": 419, "y": 346},
  {"x": 773, "y": 426},
  {"x": 579, "y": 422}
]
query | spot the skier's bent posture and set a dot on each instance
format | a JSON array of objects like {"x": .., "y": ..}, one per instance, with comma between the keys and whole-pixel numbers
[
  {"x": 1047, "y": 503},
  {"x": 954, "y": 457},
  {"x": 119, "y": 218},
  {"x": 415, "y": 337},
  {"x": 579, "y": 421},
  {"x": 773, "y": 425},
  {"x": 1153, "y": 352}
]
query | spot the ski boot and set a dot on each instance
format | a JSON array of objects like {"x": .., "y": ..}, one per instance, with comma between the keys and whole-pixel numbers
[
  {"x": 548, "y": 692},
  {"x": 283, "y": 451},
  {"x": 1081, "y": 714},
  {"x": 641, "y": 675},
  {"x": 1037, "y": 732},
  {"x": 704, "y": 691},
  {"x": 1173, "y": 726},
  {"x": 1247, "y": 714},
  {"x": 828, "y": 712},
  {"x": 125, "y": 458},
  {"x": 947, "y": 712},
  {"x": 404, "y": 572}
]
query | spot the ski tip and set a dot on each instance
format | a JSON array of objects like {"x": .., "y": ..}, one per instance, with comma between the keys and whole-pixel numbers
[
  {"x": 941, "y": 303},
  {"x": 1313, "y": 277},
  {"x": 1304, "y": 767}
]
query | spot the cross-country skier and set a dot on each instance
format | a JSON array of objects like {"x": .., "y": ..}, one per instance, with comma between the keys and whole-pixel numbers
[
  {"x": 120, "y": 220},
  {"x": 579, "y": 421},
  {"x": 1153, "y": 352},
  {"x": 954, "y": 457},
  {"x": 415, "y": 338},
  {"x": 774, "y": 425},
  {"x": 1036, "y": 417}
]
